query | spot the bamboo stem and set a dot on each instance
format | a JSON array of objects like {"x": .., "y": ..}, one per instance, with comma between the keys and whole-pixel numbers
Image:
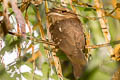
[{"x": 103, "y": 23}]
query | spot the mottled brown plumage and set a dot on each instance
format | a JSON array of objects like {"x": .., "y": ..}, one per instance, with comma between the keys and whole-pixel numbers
[{"x": 67, "y": 32}]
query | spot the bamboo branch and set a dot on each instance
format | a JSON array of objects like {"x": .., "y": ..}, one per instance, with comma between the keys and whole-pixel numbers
[
  {"x": 53, "y": 44},
  {"x": 55, "y": 58},
  {"x": 103, "y": 23}
]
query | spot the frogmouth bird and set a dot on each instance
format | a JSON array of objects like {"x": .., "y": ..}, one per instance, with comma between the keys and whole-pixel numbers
[{"x": 67, "y": 33}]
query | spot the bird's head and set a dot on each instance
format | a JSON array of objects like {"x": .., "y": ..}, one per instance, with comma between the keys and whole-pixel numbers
[{"x": 57, "y": 14}]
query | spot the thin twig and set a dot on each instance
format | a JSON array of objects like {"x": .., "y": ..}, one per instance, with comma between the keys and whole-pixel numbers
[
  {"x": 53, "y": 44},
  {"x": 80, "y": 5},
  {"x": 34, "y": 39}
]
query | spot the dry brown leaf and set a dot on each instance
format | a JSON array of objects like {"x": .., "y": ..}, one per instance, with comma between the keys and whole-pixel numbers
[
  {"x": 118, "y": 5},
  {"x": 24, "y": 6},
  {"x": 40, "y": 25},
  {"x": 19, "y": 50},
  {"x": 35, "y": 26},
  {"x": 36, "y": 2},
  {"x": 28, "y": 23},
  {"x": 116, "y": 55},
  {"x": 46, "y": 7},
  {"x": 1, "y": 13},
  {"x": 30, "y": 46},
  {"x": 73, "y": 7},
  {"x": 19, "y": 17},
  {"x": 3, "y": 29},
  {"x": 115, "y": 4},
  {"x": 5, "y": 24}
]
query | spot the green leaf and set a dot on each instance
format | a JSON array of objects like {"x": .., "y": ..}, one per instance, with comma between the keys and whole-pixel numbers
[
  {"x": 28, "y": 76},
  {"x": 45, "y": 70},
  {"x": 54, "y": 76},
  {"x": 61, "y": 55},
  {"x": 4, "y": 75},
  {"x": 10, "y": 45}
]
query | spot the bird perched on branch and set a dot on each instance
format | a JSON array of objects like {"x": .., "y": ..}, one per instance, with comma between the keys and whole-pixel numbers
[{"x": 67, "y": 32}]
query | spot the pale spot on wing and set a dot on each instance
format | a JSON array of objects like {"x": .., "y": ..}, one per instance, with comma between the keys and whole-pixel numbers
[{"x": 60, "y": 29}]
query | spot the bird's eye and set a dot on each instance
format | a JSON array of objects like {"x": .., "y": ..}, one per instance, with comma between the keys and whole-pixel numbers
[{"x": 64, "y": 11}]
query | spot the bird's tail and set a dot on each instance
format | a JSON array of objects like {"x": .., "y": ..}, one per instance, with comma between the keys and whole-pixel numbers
[{"x": 79, "y": 63}]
